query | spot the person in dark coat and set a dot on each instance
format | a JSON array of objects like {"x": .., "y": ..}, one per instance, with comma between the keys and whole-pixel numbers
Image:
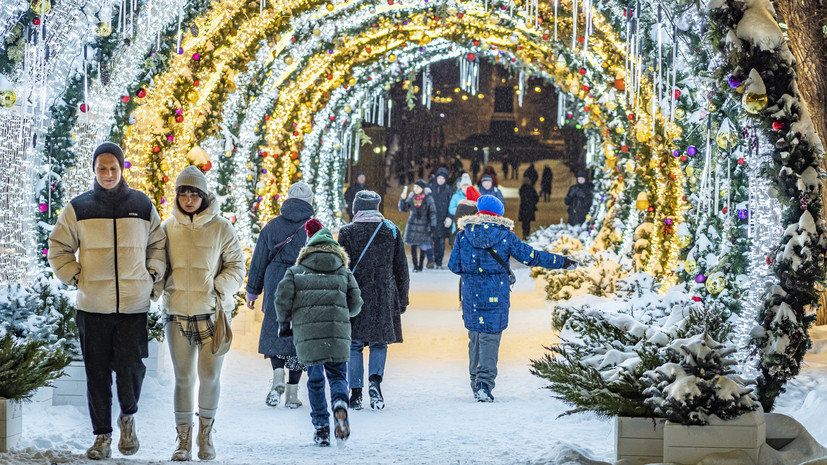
[
  {"x": 421, "y": 223},
  {"x": 315, "y": 301},
  {"x": 528, "y": 205},
  {"x": 382, "y": 275},
  {"x": 475, "y": 167},
  {"x": 485, "y": 284},
  {"x": 350, "y": 193},
  {"x": 489, "y": 171},
  {"x": 488, "y": 187},
  {"x": 276, "y": 250},
  {"x": 441, "y": 192},
  {"x": 531, "y": 174},
  {"x": 515, "y": 167},
  {"x": 579, "y": 198},
  {"x": 505, "y": 166},
  {"x": 545, "y": 184}
]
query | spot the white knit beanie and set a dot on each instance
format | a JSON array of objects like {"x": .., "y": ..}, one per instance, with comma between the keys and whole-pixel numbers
[
  {"x": 301, "y": 191},
  {"x": 192, "y": 176}
]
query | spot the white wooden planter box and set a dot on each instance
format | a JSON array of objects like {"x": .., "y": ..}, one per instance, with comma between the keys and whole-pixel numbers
[
  {"x": 689, "y": 444},
  {"x": 70, "y": 389},
  {"x": 11, "y": 423},
  {"x": 639, "y": 440}
]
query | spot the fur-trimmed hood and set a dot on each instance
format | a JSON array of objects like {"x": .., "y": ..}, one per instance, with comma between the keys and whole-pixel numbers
[
  {"x": 480, "y": 219},
  {"x": 334, "y": 257}
]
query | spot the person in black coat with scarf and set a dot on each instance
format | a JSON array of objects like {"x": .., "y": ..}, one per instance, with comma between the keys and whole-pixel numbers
[
  {"x": 421, "y": 223},
  {"x": 276, "y": 250},
  {"x": 442, "y": 192},
  {"x": 528, "y": 205},
  {"x": 381, "y": 270},
  {"x": 579, "y": 198},
  {"x": 351, "y": 192}
]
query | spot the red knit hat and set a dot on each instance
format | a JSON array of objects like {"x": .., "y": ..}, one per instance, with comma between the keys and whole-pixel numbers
[
  {"x": 472, "y": 194},
  {"x": 312, "y": 227}
]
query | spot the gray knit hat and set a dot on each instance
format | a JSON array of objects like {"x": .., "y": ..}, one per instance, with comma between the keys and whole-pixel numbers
[
  {"x": 192, "y": 176},
  {"x": 301, "y": 191},
  {"x": 366, "y": 200},
  {"x": 108, "y": 147}
]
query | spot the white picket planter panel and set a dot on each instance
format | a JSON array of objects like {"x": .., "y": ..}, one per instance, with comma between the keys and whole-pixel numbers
[
  {"x": 689, "y": 444},
  {"x": 639, "y": 441},
  {"x": 11, "y": 423}
]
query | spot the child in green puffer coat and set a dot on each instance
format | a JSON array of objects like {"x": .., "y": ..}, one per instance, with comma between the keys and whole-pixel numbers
[{"x": 315, "y": 301}]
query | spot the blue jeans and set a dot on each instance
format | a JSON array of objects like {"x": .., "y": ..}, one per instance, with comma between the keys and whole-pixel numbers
[
  {"x": 439, "y": 250},
  {"x": 315, "y": 390},
  {"x": 376, "y": 362}
]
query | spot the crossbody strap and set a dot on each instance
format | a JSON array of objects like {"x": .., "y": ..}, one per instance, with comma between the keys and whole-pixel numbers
[
  {"x": 502, "y": 263},
  {"x": 366, "y": 247},
  {"x": 278, "y": 247}
]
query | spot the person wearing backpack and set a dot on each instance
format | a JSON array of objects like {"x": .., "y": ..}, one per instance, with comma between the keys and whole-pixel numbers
[
  {"x": 480, "y": 256},
  {"x": 315, "y": 302},
  {"x": 276, "y": 250},
  {"x": 381, "y": 270}
]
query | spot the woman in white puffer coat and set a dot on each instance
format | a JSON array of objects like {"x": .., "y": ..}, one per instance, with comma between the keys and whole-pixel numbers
[{"x": 206, "y": 268}]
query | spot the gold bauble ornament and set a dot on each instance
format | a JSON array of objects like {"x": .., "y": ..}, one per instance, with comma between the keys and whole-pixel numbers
[
  {"x": 711, "y": 107},
  {"x": 611, "y": 162},
  {"x": 653, "y": 163},
  {"x": 192, "y": 96},
  {"x": 348, "y": 109},
  {"x": 617, "y": 236},
  {"x": 127, "y": 131},
  {"x": 164, "y": 166},
  {"x": 330, "y": 7},
  {"x": 493, "y": 19},
  {"x": 391, "y": 57},
  {"x": 103, "y": 29},
  {"x": 642, "y": 202},
  {"x": 754, "y": 103},
  {"x": 249, "y": 177},
  {"x": 679, "y": 113},
  {"x": 387, "y": 87},
  {"x": 716, "y": 283},
  {"x": 317, "y": 32},
  {"x": 41, "y": 7},
  {"x": 630, "y": 166},
  {"x": 288, "y": 60},
  {"x": 7, "y": 98},
  {"x": 643, "y": 136},
  {"x": 690, "y": 170},
  {"x": 620, "y": 130},
  {"x": 425, "y": 40},
  {"x": 692, "y": 179},
  {"x": 690, "y": 266},
  {"x": 726, "y": 138},
  {"x": 683, "y": 240},
  {"x": 351, "y": 81}
]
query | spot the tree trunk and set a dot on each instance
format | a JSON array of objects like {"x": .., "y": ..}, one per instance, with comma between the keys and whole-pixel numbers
[{"x": 808, "y": 43}]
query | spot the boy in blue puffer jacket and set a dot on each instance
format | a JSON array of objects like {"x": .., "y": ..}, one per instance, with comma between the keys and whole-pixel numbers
[{"x": 486, "y": 285}]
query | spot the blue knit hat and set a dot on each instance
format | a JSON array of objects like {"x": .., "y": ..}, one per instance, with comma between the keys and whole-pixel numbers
[{"x": 490, "y": 204}]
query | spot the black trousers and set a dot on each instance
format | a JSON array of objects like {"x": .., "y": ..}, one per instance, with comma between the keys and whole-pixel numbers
[
  {"x": 526, "y": 229},
  {"x": 112, "y": 342}
]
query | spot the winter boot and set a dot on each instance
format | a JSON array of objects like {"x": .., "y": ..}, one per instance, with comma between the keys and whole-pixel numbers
[
  {"x": 342, "y": 429},
  {"x": 484, "y": 393},
  {"x": 356, "y": 399},
  {"x": 183, "y": 452},
  {"x": 101, "y": 449},
  {"x": 377, "y": 402},
  {"x": 430, "y": 266},
  {"x": 322, "y": 436},
  {"x": 291, "y": 400},
  {"x": 206, "y": 450},
  {"x": 277, "y": 389},
  {"x": 128, "y": 444}
]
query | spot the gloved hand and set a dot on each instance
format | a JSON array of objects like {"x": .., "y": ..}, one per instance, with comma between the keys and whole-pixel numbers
[
  {"x": 447, "y": 222},
  {"x": 405, "y": 192},
  {"x": 285, "y": 330},
  {"x": 251, "y": 300},
  {"x": 569, "y": 264}
]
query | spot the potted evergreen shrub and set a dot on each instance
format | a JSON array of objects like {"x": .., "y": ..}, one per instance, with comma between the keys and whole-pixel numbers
[
  {"x": 709, "y": 409},
  {"x": 25, "y": 365}
]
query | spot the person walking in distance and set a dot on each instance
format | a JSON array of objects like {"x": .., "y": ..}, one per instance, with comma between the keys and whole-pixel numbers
[
  {"x": 487, "y": 187},
  {"x": 421, "y": 223},
  {"x": 480, "y": 256},
  {"x": 531, "y": 174},
  {"x": 315, "y": 302},
  {"x": 528, "y": 205},
  {"x": 276, "y": 250},
  {"x": 116, "y": 233},
  {"x": 579, "y": 198},
  {"x": 206, "y": 269},
  {"x": 381, "y": 270},
  {"x": 545, "y": 184},
  {"x": 351, "y": 192},
  {"x": 441, "y": 192}
]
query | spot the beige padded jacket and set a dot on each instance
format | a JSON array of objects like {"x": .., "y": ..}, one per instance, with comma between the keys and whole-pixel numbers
[
  {"x": 120, "y": 250},
  {"x": 206, "y": 263}
]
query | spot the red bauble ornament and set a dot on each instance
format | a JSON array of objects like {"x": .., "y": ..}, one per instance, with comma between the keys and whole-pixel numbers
[
  {"x": 581, "y": 39},
  {"x": 196, "y": 83},
  {"x": 587, "y": 108},
  {"x": 207, "y": 166},
  {"x": 263, "y": 154},
  {"x": 740, "y": 161},
  {"x": 586, "y": 88},
  {"x": 295, "y": 133},
  {"x": 724, "y": 210},
  {"x": 460, "y": 15},
  {"x": 332, "y": 118},
  {"x": 677, "y": 94},
  {"x": 569, "y": 115},
  {"x": 367, "y": 49},
  {"x": 476, "y": 43},
  {"x": 650, "y": 209},
  {"x": 125, "y": 99},
  {"x": 36, "y": 21},
  {"x": 624, "y": 148},
  {"x": 329, "y": 77},
  {"x": 294, "y": 155},
  {"x": 545, "y": 36},
  {"x": 696, "y": 298},
  {"x": 156, "y": 148},
  {"x": 166, "y": 179},
  {"x": 778, "y": 125},
  {"x": 141, "y": 93},
  {"x": 684, "y": 158},
  {"x": 179, "y": 119},
  {"x": 769, "y": 260},
  {"x": 582, "y": 71},
  {"x": 471, "y": 56},
  {"x": 631, "y": 116},
  {"x": 266, "y": 117}
]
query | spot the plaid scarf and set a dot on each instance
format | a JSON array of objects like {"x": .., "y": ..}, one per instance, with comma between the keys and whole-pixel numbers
[{"x": 198, "y": 329}]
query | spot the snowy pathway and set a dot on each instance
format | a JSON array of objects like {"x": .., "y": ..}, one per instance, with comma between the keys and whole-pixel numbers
[{"x": 430, "y": 417}]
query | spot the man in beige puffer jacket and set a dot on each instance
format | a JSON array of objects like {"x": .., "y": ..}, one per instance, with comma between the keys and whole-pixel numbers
[{"x": 116, "y": 233}]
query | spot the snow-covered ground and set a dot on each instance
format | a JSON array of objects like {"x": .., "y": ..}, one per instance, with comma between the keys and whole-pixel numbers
[{"x": 430, "y": 417}]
